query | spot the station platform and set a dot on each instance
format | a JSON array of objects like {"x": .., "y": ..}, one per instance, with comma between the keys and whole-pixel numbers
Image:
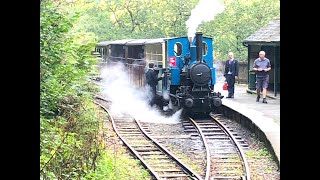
[{"x": 264, "y": 117}]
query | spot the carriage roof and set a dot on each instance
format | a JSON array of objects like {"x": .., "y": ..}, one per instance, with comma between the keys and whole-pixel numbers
[
  {"x": 158, "y": 40},
  {"x": 103, "y": 43},
  {"x": 121, "y": 42},
  {"x": 132, "y": 42},
  {"x": 137, "y": 42}
]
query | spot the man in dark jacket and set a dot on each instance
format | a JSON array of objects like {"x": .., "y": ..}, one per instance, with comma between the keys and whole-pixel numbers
[
  {"x": 231, "y": 73},
  {"x": 152, "y": 80}
]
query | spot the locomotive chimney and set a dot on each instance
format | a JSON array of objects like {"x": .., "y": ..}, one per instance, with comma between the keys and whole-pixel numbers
[
  {"x": 190, "y": 40},
  {"x": 199, "y": 46}
]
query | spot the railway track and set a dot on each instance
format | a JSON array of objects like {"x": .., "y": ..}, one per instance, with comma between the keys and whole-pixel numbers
[
  {"x": 156, "y": 158},
  {"x": 225, "y": 158},
  {"x": 224, "y": 153}
]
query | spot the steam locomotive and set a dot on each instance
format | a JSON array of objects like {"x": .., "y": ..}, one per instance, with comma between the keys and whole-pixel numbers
[{"x": 187, "y": 63}]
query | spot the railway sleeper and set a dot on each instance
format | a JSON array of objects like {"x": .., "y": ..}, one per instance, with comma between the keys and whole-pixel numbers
[
  {"x": 220, "y": 143},
  {"x": 228, "y": 165},
  {"x": 213, "y": 136},
  {"x": 151, "y": 153},
  {"x": 124, "y": 121},
  {"x": 122, "y": 126},
  {"x": 126, "y": 125},
  {"x": 172, "y": 137},
  {"x": 173, "y": 175},
  {"x": 142, "y": 149},
  {"x": 211, "y": 130},
  {"x": 224, "y": 156},
  {"x": 133, "y": 130},
  {"x": 168, "y": 170},
  {"x": 143, "y": 145},
  {"x": 197, "y": 134},
  {"x": 227, "y": 161},
  {"x": 226, "y": 178},
  {"x": 157, "y": 157},
  {"x": 130, "y": 135},
  {"x": 164, "y": 161},
  {"x": 137, "y": 138},
  {"x": 207, "y": 125},
  {"x": 222, "y": 140},
  {"x": 228, "y": 173},
  {"x": 224, "y": 166},
  {"x": 226, "y": 147},
  {"x": 223, "y": 152}
]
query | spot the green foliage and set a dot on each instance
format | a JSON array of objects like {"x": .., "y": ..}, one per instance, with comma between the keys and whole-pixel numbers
[
  {"x": 122, "y": 19},
  {"x": 69, "y": 143},
  {"x": 240, "y": 19},
  {"x": 69, "y": 125},
  {"x": 259, "y": 153},
  {"x": 114, "y": 166},
  {"x": 64, "y": 57}
]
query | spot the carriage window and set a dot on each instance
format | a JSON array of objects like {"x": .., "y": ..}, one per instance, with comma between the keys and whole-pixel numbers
[
  {"x": 204, "y": 48},
  {"x": 177, "y": 49}
]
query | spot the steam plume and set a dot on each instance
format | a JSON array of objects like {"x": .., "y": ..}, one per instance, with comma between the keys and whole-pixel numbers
[
  {"x": 205, "y": 11},
  {"x": 128, "y": 99}
]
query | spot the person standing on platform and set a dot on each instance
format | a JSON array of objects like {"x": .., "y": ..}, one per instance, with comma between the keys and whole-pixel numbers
[
  {"x": 262, "y": 67},
  {"x": 231, "y": 73}
]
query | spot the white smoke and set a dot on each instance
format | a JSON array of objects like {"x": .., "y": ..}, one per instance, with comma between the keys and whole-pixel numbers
[
  {"x": 219, "y": 66},
  {"x": 128, "y": 99},
  {"x": 205, "y": 11}
]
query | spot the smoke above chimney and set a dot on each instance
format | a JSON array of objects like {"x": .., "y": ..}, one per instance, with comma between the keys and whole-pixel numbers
[{"x": 205, "y": 11}]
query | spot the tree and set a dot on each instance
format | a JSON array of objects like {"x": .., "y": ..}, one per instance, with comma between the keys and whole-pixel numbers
[
  {"x": 240, "y": 19},
  {"x": 68, "y": 123}
]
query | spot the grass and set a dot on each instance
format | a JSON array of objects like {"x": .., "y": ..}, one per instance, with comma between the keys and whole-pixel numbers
[
  {"x": 260, "y": 162},
  {"x": 258, "y": 153},
  {"x": 118, "y": 165}
]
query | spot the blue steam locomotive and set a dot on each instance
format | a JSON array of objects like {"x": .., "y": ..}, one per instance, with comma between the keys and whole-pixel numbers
[{"x": 186, "y": 62}]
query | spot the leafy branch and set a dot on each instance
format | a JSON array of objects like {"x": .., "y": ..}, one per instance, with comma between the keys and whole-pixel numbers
[{"x": 54, "y": 153}]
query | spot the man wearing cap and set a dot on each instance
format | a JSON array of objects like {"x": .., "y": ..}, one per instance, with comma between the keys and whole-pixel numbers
[{"x": 152, "y": 80}]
